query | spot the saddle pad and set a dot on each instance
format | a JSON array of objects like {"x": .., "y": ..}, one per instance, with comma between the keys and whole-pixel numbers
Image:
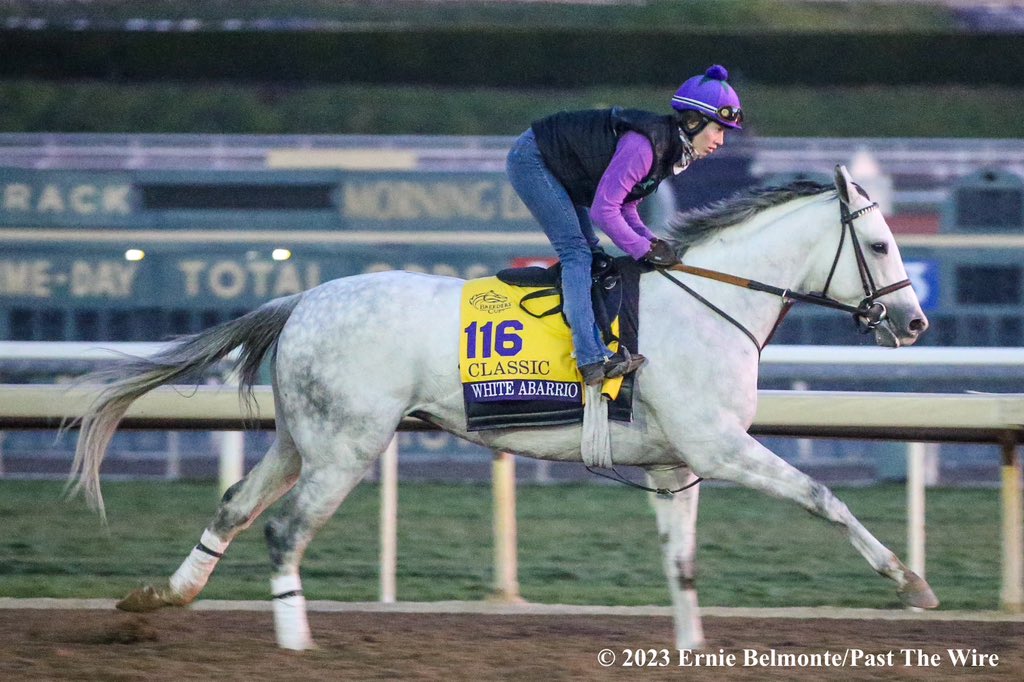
[{"x": 516, "y": 369}]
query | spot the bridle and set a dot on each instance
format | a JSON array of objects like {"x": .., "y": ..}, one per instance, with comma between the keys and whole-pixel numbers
[
  {"x": 870, "y": 313},
  {"x": 867, "y": 315}
]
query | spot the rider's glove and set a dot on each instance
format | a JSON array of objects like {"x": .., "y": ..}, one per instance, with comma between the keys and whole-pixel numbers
[{"x": 661, "y": 254}]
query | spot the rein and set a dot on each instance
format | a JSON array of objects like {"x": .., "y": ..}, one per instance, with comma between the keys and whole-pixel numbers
[
  {"x": 868, "y": 314},
  {"x": 660, "y": 492}
]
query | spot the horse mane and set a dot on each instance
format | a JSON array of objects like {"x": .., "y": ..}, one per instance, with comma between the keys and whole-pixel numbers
[{"x": 691, "y": 227}]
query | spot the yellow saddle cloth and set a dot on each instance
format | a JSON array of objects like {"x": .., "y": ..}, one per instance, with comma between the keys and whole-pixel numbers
[{"x": 515, "y": 358}]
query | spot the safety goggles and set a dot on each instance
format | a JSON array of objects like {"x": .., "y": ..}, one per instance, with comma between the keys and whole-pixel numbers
[{"x": 730, "y": 114}]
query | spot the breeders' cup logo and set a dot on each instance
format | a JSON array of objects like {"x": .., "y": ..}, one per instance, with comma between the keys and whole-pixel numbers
[{"x": 490, "y": 302}]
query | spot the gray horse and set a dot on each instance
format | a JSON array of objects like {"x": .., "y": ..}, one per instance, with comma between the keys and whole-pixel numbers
[{"x": 356, "y": 355}]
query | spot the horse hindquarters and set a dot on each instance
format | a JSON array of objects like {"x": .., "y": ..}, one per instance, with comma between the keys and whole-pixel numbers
[{"x": 677, "y": 533}]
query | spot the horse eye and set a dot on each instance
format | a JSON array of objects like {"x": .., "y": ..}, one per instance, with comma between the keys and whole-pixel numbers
[{"x": 880, "y": 247}]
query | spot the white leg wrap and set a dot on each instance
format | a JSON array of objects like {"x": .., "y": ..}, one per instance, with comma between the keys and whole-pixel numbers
[
  {"x": 596, "y": 444},
  {"x": 290, "y": 623},
  {"x": 689, "y": 631},
  {"x": 191, "y": 576}
]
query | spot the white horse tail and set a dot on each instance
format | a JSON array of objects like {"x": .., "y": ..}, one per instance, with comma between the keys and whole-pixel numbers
[{"x": 184, "y": 360}]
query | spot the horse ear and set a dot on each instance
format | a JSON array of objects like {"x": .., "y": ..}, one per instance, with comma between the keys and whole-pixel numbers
[{"x": 844, "y": 183}]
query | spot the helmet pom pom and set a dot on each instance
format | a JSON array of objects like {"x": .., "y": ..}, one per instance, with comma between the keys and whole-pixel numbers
[{"x": 717, "y": 72}]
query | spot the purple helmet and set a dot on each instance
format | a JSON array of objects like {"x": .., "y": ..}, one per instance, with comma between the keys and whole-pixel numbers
[{"x": 711, "y": 96}]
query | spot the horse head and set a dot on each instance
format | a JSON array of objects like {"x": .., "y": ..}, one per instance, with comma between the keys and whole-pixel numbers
[{"x": 865, "y": 270}]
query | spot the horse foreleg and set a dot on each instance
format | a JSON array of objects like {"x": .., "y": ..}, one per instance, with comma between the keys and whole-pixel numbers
[
  {"x": 677, "y": 533},
  {"x": 239, "y": 507},
  {"x": 752, "y": 465}
]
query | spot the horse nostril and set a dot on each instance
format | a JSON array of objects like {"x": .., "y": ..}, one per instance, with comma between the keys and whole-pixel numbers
[{"x": 918, "y": 325}]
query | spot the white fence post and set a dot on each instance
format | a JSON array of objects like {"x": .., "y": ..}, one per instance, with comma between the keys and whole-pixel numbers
[
  {"x": 389, "y": 522},
  {"x": 506, "y": 562},
  {"x": 1011, "y": 594},
  {"x": 172, "y": 472},
  {"x": 232, "y": 458},
  {"x": 916, "y": 454}
]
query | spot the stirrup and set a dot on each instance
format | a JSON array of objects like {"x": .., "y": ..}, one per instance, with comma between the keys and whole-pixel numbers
[{"x": 622, "y": 363}]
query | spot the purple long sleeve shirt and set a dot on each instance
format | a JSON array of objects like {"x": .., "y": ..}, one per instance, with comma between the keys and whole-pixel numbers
[{"x": 610, "y": 211}]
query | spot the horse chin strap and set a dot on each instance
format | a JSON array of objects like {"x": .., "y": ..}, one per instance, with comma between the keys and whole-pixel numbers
[{"x": 867, "y": 315}]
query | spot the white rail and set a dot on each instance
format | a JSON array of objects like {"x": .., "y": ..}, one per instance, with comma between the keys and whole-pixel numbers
[
  {"x": 74, "y": 350},
  {"x": 874, "y": 355}
]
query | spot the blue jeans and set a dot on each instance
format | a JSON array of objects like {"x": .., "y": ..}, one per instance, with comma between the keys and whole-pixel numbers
[{"x": 568, "y": 228}]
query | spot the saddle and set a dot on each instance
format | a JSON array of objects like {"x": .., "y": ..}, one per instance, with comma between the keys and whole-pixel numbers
[
  {"x": 613, "y": 281},
  {"x": 530, "y": 386}
]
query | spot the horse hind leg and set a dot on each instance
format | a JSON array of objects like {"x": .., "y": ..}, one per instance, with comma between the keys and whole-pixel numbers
[
  {"x": 241, "y": 504},
  {"x": 322, "y": 487},
  {"x": 754, "y": 466},
  {"x": 677, "y": 532}
]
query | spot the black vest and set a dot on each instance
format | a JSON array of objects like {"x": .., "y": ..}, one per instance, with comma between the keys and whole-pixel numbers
[{"x": 577, "y": 147}]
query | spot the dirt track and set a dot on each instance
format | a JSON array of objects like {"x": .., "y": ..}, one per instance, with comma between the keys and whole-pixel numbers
[{"x": 239, "y": 645}]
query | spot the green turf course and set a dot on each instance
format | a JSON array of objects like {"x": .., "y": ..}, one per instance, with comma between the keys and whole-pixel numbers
[{"x": 590, "y": 544}]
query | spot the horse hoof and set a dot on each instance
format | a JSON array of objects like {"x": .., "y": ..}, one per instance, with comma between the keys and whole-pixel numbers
[
  {"x": 298, "y": 645},
  {"x": 144, "y": 599},
  {"x": 916, "y": 592}
]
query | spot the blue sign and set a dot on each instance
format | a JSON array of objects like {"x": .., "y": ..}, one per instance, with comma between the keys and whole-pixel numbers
[{"x": 924, "y": 275}]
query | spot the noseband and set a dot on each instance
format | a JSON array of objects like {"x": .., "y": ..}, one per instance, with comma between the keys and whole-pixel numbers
[{"x": 867, "y": 315}]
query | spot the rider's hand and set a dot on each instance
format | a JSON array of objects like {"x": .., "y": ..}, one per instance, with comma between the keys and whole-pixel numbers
[{"x": 661, "y": 254}]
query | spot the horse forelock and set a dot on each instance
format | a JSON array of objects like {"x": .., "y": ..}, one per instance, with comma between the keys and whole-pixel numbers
[{"x": 691, "y": 227}]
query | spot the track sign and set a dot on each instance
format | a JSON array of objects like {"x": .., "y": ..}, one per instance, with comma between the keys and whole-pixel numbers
[{"x": 924, "y": 275}]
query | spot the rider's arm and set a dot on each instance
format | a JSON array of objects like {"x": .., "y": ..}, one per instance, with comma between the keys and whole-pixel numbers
[{"x": 610, "y": 211}]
